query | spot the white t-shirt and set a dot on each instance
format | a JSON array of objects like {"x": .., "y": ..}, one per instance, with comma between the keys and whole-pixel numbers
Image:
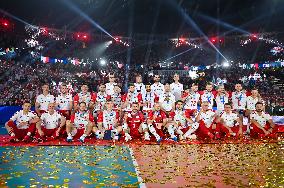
[
  {"x": 220, "y": 101},
  {"x": 50, "y": 121},
  {"x": 192, "y": 101},
  {"x": 141, "y": 87},
  {"x": 158, "y": 89},
  {"x": 110, "y": 88},
  {"x": 44, "y": 101},
  {"x": 251, "y": 102},
  {"x": 64, "y": 102},
  {"x": 149, "y": 99},
  {"x": 176, "y": 90},
  {"x": 229, "y": 119},
  {"x": 209, "y": 97},
  {"x": 207, "y": 117},
  {"x": 20, "y": 117},
  {"x": 239, "y": 100},
  {"x": 179, "y": 117},
  {"x": 167, "y": 101},
  {"x": 261, "y": 119}
]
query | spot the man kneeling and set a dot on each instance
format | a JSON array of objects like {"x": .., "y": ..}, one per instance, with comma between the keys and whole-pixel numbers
[
  {"x": 108, "y": 123},
  {"x": 80, "y": 124},
  {"x": 261, "y": 123},
  {"x": 50, "y": 124},
  {"x": 22, "y": 124},
  {"x": 230, "y": 123},
  {"x": 134, "y": 125},
  {"x": 181, "y": 123}
]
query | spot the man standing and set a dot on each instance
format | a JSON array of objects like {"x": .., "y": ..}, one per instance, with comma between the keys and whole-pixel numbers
[
  {"x": 43, "y": 100},
  {"x": 110, "y": 85},
  {"x": 157, "y": 87},
  {"x": 64, "y": 102},
  {"x": 84, "y": 96},
  {"x": 139, "y": 86},
  {"x": 167, "y": 100},
  {"x": 176, "y": 87}
]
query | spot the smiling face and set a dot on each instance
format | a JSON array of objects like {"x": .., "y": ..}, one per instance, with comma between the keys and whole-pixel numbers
[
  {"x": 176, "y": 77},
  {"x": 26, "y": 106},
  {"x": 63, "y": 89},
  {"x": 179, "y": 105},
  {"x": 209, "y": 87},
  {"x": 205, "y": 105},
  {"x": 51, "y": 107},
  {"x": 84, "y": 88},
  {"x": 82, "y": 107},
  {"x": 156, "y": 78},
  {"x": 45, "y": 88},
  {"x": 102, "y": 88},
  {"x": 135, "y": 107},
  {"x": 238, "y": 87},
  {"x": 109, "y": 105}
]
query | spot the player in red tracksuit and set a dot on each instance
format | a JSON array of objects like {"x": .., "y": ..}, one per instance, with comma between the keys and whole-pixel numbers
[
  {"x": 157, "y": 120},
  {"x": 261, "y": 123},
  {"x": 134, "y": 125},
  {"x": 22, "y": 124}
]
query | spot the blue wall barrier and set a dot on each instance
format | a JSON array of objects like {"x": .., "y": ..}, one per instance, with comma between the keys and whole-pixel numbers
[{"x": 6, "y": 112}]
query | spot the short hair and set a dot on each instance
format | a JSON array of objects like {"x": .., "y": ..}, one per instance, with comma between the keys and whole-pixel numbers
[
  {"x": 131, "y": 84},
  {"x": 63, "y": 84},
  {"x": 83, "y": 103},
  {"x": 179, "y": 101},
  {"x": 209, "y": 83},
  {"x": 135, "y": 103},
  {"x": 26, "y": 101},
  {"x": 167, "y": 83},
  {"x": 227, "y": 104},
  {"x": 258, "y": 103}
]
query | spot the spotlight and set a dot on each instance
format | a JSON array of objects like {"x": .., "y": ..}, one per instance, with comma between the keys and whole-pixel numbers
[
  {"x": 103, "y": 62},
  {"x": 226, "y": 64},
  {"x": 5, "y": 24},
  {"x": 213, "y": 39}
]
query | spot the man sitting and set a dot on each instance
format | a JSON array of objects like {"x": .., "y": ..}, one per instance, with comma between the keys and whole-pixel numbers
[{"x": 22, "y": 124}]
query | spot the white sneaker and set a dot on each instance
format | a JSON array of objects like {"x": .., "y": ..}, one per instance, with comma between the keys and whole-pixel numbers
[
  {"x": 181, "y": 137},
  {"x": 192, "y": 136},
  {"x": 69, "y": 138},
  {"x": 127, "y": 137},
  {"x": 147, "y": 136}
]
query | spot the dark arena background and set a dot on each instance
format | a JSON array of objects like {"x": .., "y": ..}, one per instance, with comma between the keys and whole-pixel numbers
[{"x": 141, "y": 93}]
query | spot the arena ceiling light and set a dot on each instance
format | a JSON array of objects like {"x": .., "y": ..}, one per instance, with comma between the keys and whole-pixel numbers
[
  {"x": 226, "y": 64},
  {"x": 103, "y": 62}
]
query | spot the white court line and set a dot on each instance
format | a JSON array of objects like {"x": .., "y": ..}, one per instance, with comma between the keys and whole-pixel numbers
[{"x": 140, "y": 180}]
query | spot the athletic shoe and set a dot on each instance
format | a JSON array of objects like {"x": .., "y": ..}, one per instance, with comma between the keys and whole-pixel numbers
[
  {"x": 69, "y": 139},
  {"x": 14, "y": 139}
]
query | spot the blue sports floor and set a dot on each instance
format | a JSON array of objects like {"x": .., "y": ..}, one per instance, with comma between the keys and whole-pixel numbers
[{"x": 64, "y": 166}]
